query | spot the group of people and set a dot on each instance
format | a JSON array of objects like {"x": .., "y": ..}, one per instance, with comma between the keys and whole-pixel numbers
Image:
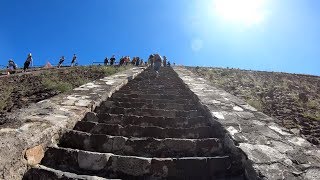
[
  {"x": 74, "y": 58},
  {"x": 12, "y": 66},
  {"x": 124, "y": 60},
  {"x": 155, "y": 61}
]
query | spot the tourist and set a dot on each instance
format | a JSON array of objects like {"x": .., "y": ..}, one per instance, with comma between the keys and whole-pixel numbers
[
  {"x": 168, "y": 64},
  {"x": 61, "y": 61},
  {"x": 137, "y": 61},
  {"x": 27, "y": 62},
  {"x": 150, "y": 60},
  {"x": 73, "y": 60},
  {"x": 121, "y": 61},
  {"x": 11, "y": 68},
  {"x": 112, "y": 60},
  {"x": 106, "y": 61},
  {"x": 164, "y": 61},
  {"x": 157, "y": 63}
]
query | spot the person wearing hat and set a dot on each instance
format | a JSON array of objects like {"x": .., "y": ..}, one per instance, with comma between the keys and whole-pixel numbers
[
  {"x": 61, "y": 61},
  {"x": 11, "y": 68},
  {"x": 27, "y": 62}
]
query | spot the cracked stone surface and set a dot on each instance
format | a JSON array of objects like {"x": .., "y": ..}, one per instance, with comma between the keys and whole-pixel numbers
[
  {"x": 44, "y": 122},
  {"x": 275, "y": 152}
]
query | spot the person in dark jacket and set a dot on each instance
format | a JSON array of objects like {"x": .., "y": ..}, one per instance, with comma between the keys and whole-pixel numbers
[
  {"x": 61, "y": 61},
  {"x": 112, "y": 60},
  {"x": 27, "y": 62}
]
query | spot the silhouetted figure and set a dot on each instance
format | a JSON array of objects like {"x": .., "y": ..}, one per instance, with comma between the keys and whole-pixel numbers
[
  {"x": 106, "y": 61},
  {"x": 150, "y": 60},
  {"x": 157, "y": 63},
  {"x": 11, "y": 68},
  {"x": 168, "y": 64},
  {"x": 137, "y": 61},
  {"x": 61, "y": 61},
  {"x": 27, "y": 62},
  {"x": 164, "y": 61},
  {"x": 112, "y": 60},
  {"x": 74, "y": 59},
  {"x": 122, "y": 60}
]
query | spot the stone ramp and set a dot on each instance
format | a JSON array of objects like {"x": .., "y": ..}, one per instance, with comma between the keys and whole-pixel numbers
[{"x": 152, "y": 128}]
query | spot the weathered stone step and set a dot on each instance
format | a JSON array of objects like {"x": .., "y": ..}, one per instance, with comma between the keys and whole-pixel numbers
[
  {"x": 149, "y": 96},
  {"x": 45, "y": 173},
  {"x": 149, "y": 112},
  {"x": 153, "y": 93},
  {"x": 146, "y": 147},
  {"x": 147, "y": 120},
  {"x": 164, "y": 106},
  {"x": 147, "y": 91},
  {"x": 156, "y": 90},
  {"x": 152, "y": 101},
  {"x": 139, "y": 131},
  {"x": 109, "y": 165}
]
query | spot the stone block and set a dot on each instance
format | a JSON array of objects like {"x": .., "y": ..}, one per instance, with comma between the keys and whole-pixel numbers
[{"x": 34, "y": 155}]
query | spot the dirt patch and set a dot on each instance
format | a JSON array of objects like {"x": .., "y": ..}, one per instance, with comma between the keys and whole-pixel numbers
[
  {"x": 291, "y": 98},
  {"x": 19, "y": 91}
]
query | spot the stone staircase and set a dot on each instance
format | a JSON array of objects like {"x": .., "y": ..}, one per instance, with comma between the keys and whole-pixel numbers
[{"x": 152, "y": 128}]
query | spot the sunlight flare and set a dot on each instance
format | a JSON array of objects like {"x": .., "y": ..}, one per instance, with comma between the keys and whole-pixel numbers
[{"x": 245, "y": 12}]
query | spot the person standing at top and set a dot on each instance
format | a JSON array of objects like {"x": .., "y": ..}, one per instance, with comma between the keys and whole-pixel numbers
[
  {"x": 74, "y": 59},
  {"x": 137, "y": 61},
  {"x": 27, "y": 62},
  {"x": 11, "y": 68},
  {"x": 157, "y": 63},
  {"x": 112, "y": 60},
  {"x": 150, "y": 60},
  {"x": 106, "y": 61},
  {"x": 164, "y": 61},
  {"x": 61, "y": 61}
]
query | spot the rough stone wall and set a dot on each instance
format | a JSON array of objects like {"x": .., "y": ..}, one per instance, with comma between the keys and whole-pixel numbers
[
  {"x": 274, "y": 152},
  {"x": 44, "y": 122}
]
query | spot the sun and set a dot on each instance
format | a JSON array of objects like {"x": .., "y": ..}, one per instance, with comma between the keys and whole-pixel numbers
[{"x": 245, "y": 12}]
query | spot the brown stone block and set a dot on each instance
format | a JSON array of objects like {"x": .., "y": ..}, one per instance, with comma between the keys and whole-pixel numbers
[{"x": 34, "y": 155}]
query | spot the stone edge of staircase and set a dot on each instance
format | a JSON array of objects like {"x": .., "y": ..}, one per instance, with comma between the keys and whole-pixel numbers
[
  {"x": 268, "y": 150},
  {"x": 44, "y": 122}
]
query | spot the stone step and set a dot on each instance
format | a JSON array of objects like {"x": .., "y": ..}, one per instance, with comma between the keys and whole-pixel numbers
[
  {"x": 146, "y": 91},
  {"x": 159, "y": 121},
  {"x": 152, "y": 101},
  {"x": 146, "y": 147},
  {"x": 150, "y": 96},
  {"x": 109, "y": 165},
  {"x": 44, "y": 173},
  {"x": 140, "y": 131},
  {"x": 148, "y": 112},
  {"x": 163, "y": 106}
]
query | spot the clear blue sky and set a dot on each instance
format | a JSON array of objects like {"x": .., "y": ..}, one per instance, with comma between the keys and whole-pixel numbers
[{"x": 189, "y": 32}]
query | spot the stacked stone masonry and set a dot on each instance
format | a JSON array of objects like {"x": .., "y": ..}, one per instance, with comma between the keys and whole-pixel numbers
[
  {"x": 275, "y": 152},
  {"x": 176, "y": 126},
  {"x": 44, "y": 122},
  {"x": 152, "y": 128}
]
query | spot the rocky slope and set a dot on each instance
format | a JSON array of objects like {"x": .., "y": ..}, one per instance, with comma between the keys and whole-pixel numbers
[
  {"x": 293, "y": 99},
  {"x": 19, "y": 90}
]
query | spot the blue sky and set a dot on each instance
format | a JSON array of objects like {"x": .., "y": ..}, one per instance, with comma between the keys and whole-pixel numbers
[{"x": 281, "y": 36}]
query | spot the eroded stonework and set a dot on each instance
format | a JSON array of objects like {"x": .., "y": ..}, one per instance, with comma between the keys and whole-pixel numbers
[
  {"x": 44, "y": 122},
  {"x": 274, "y": 151}
]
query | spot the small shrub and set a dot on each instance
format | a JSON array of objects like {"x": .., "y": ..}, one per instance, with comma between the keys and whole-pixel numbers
[{"x": 255, "y": 103}]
